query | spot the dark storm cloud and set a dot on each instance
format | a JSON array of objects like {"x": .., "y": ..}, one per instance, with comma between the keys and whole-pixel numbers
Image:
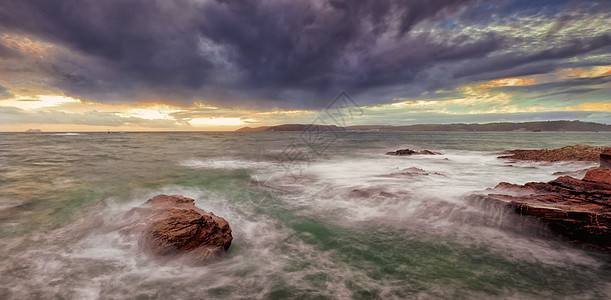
[
  {"x": 272, "y": 53},
  {"x": 580, "y": 92},
  {"x": 509, "y": 61},
  {"x": 4, "y": 93},
  {"x": 6, "y": 52}
]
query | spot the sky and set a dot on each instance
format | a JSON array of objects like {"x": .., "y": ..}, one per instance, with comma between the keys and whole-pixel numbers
[{"x": 151, "y": 65}]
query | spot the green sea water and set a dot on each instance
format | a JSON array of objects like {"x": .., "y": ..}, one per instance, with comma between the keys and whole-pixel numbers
[{"x": 326, "y": 218}]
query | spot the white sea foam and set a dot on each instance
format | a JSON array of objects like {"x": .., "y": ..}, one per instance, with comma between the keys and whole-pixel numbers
[
  {"x": 404, "y": 200},
  {"x": 124, "y": 268},
  {"x": 5, "y": 204},
  {"x": 68, "y": 133},
  {"x": 226, "y": 164},
  {"x": 351, "y": 192}
]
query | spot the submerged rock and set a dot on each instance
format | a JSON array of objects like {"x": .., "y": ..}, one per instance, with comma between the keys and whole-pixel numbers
[
  {"x": 172, "y": 224},
  {"x": 403, "y": 152},
  {"x": 412, "y": 172},
  {"x": 577, "y": 152},
  {"x": 579, "y": 209}
]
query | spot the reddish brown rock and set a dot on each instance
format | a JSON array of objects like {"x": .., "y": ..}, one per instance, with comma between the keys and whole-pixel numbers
[
  {"x": 403, "y": 152},
  {"x": 169, "y": 225},
  {"x": 577, "y": 209},
  {"x": 577, "y": 152},
  {"x": 605, "y": 159},
  {"x": 508, "y": 186},
  {"x": 598, "y": 175}
]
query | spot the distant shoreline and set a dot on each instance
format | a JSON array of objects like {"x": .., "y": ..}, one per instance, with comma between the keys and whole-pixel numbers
[
  {"x": 258, "y": 131},
  {"x": 547, "y": 126}
]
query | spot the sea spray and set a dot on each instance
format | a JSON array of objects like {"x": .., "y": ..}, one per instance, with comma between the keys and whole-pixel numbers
[{"x": 354, "y": 224}]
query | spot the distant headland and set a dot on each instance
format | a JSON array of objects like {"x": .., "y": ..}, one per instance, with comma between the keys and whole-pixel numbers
[{"x": 463, "y": 127}]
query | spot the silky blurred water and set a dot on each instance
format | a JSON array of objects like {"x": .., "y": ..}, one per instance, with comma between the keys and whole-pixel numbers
[{"x": 350, "y": 223}]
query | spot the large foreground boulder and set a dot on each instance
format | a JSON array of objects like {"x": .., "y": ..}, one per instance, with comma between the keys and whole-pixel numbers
[
  {"x": 170, "y": 225},
  {"x": 579, "y": 209}
]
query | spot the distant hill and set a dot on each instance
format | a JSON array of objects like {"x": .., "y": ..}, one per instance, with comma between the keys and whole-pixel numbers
[
  {"x": 291, "y": 127},
  {"x": 502, "y": 126},
  {"x": 262, "y": 128}
]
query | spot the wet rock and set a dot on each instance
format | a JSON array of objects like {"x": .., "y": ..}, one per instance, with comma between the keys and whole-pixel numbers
[
  {"x": 403, "y": 152},
  {"x": 172, "y": 224},
  {"x": 605, "y": 159},
  {"x": 577, "y": 152},
  {"x": 599, "y": 176},
  {"x": 360, "y": 193},
  {"x": 578, "y": 173},
  {"x": 386, "y": 194},
  {"x": 579, "y": 209},
  {"x": 508, "y": 186},
  {"x": 373, "y": 193},
  {"x": 412, "y": 172}
]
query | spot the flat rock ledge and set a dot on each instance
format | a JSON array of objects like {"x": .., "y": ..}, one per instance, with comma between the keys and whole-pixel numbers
[
  {"x": 169, "y": 225},
  {"x": 403, "y": 152},
  {"x": 568, "y": 153},
  {"x": 579, "y": 209}
]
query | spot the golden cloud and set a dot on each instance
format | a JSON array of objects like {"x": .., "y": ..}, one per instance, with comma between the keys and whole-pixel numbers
[
  {"x": 601, "y": 106},
  {"x": 508, "y": 82}
]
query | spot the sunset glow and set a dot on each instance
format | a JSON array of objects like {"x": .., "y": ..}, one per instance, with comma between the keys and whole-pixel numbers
[
  {"x": 305, "y": 149},
  {"x": 202, "y": 81}
]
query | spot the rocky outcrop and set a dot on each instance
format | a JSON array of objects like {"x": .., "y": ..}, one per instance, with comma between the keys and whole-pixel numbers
[
  {"x": 170, "y": 225},
  {"x": 598, "y": 175},
  {"x": 403, "y": 152},
  {"x": 605, "y": 159},
  {"x": 578, "y": 209},
  {"x": 577, "y": 152}
]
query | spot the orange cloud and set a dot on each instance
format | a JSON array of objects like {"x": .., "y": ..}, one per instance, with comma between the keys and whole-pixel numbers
[
  {"x": 593, "y": 72},
  {"x": 26, "y": 45},
  {"x": 155, "y": 116},
  {"x": 600, "y": 106},
  {"x": 508, "y": 82}
]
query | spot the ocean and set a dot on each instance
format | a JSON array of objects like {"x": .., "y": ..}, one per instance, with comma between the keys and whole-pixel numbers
[{"x": 313, "y": 217}]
